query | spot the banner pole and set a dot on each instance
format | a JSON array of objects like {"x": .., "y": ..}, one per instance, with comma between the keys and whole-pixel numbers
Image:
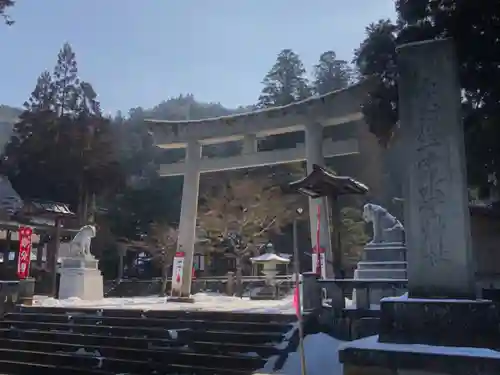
[{"x": 298, "y": 299}]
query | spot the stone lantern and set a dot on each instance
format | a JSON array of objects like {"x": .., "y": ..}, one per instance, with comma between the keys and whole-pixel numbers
[{"x": 269, "y": 260}]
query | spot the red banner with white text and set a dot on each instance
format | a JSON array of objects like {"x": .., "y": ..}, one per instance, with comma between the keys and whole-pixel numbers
[{"x": 24, "y": 257}]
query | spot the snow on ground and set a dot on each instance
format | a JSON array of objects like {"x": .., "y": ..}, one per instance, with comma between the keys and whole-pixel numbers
[
  {"x": 321, "y": 352},
  {"x": 203, "y": 301},
  {"x": 372, "y": 342}
]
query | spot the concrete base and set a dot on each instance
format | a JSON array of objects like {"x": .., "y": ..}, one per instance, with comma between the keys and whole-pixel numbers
[
  {"x": 429, "y": 337},
  {"x": 84, "y": 283},
  {"x": 368, "y": 356},
  {"x": 381, "y": 261},
  {"x": 26, "y": 291}
]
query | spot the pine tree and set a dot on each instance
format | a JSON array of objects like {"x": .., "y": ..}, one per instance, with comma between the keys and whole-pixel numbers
[
  {"x": 286, "y": 82},
  {"x": 66, "y": 84},
  {"x": 331, "y": 74},
  {"x": 62, "y": 141},
  {"x": 42, "y": 96}
]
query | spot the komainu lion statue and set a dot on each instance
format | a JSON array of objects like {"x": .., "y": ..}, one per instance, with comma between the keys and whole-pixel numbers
[
  {"x": 386, "y": 228},
  {"x": 80, "y": 245}
]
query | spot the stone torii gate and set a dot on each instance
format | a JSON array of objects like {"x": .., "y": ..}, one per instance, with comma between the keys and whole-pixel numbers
[{"x": 310, "y": 115}]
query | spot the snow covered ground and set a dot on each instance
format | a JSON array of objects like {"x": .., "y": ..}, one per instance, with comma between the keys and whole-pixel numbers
[
  {"x": 321, "y": 352},
  {"x": 203, "y": 301}
]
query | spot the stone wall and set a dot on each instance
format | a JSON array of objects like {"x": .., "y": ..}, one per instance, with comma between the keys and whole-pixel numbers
[{"x": 485, "y": 229}]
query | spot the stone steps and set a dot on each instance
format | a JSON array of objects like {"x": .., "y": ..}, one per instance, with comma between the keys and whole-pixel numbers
[
  {"x": 380, "y": 273},
  {"x": 166, "y": 323},
  {"x": 22, "y": 368},
  {"x": 101, "y": 341},
  {"x": 382, "y": 265}
]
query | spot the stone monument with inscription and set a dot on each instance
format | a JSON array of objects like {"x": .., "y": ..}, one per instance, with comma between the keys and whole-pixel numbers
[
  {"x": 384, "y": 257},
  {"x": 80, "y": 275},
  {"x": 440, "y": 327}
]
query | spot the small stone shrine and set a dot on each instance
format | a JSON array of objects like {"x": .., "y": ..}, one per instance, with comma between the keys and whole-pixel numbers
[
  {"x": 269, "y": 261},
  {"x": 384, "y": 257},
  {"x": 80, "y": 274},
  {"x": 441, "y": 327}
]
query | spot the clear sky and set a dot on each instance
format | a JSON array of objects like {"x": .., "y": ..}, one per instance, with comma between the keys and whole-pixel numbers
[{"x": 140, "y": 52}]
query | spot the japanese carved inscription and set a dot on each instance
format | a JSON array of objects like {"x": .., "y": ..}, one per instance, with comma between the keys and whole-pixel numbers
[
  {"x": 440, "y": 262},
  {"x": 432, "y": 171}
]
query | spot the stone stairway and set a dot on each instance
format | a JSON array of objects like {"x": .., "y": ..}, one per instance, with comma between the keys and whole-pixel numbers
[{"x": 55, "y": 340}]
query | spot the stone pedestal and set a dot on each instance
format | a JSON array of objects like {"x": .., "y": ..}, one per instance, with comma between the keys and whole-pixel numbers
[
  {"x": 311, "y": 292},
  {"x": 81, "y": 278},
  {"x": 381, "y": 261},
  {"x": 429, "y": 337},
  {"x": 26, "y": 291}
]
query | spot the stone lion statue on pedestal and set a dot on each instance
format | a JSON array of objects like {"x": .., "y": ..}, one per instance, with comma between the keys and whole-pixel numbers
[
  {"x": 80, "y": 245},
  {"x": 386, "y": 228}
]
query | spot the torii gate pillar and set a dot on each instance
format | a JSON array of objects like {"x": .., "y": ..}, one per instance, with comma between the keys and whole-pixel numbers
[
  {"x": 314, "y": 155},
  {"x": 189, "y": 213}
]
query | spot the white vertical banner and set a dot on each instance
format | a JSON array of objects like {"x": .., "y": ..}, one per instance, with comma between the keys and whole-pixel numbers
[
  {"x": 322, "y": 259},
  {"x": 177, "y": 269}
]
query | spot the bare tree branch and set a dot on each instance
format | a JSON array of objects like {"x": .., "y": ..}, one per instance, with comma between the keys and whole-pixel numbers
[
  {"x": 250, "y": 207},
  {"x": 161, "y": 243}
]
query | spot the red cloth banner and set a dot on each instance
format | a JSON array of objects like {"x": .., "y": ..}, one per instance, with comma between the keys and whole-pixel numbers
[
  {"x": 24, "y": 257},
  {"x": 296, "y": 301}
]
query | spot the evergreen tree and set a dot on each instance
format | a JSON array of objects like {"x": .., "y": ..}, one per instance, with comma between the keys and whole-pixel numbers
[
  {"x": 474, "y": 27},
  {"x": 66, "y": 85},
  {"x": 286, "y": 81},
  {"x": 41, "y": 98},
  {"x": 377, "y": 57},
  {"x": 62, "y": 142},
  {"x": 331, "y": 74}
]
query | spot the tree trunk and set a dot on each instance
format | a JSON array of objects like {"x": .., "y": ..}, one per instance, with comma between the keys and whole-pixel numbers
[
  {"x": 52, "y": 255},
  {"x": 82, "y": 208},
  {"x": 120, "y": 267},
  {"x": 91, "y": 210},
  {"x": 164, "y": 280},
  {"x": 85, "y": 208},
  {"x": 239, "y": 276}
]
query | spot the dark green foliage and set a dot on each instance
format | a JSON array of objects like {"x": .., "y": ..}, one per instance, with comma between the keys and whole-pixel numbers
[
  {"x": 377, "y": 57},
  {"x": 475, "y": 27},
  {"x": 286, "y": 81},
  {"x": 62, "y": 148},
  {"x": 331, "y": 74}
]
